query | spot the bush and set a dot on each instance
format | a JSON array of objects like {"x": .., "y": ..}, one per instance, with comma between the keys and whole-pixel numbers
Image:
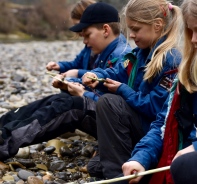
[
  {"x": 55, "y": 14},
  {"x": 8, "y": 22}
]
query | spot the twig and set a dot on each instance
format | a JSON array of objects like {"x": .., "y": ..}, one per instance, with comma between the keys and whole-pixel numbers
[
  {"x": 96, "y": 79},
  {"x": 53, "y": 75},
  {"x": 131, "y": 176}
]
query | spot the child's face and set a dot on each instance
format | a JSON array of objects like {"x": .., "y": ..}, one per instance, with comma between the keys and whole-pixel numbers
[
  {"x": 94, "y": 39},
  {"x": 192, "y": 26},
  {"x": 143, "y": 34}
]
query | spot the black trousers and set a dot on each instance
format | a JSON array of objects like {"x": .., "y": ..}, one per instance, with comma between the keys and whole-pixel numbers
[
  {"x": 184, "y": 170},
  {"x": 45, "y": 119},
  {"x": 118, "y": 130}
]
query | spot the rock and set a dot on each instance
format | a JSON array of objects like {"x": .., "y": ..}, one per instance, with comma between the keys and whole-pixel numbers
[
  {"x": 23, "y": 152},
  {"x": 24, "y": 174},
  {"x": 3, "y": 166},
  {"x": 34, "y": 180}
]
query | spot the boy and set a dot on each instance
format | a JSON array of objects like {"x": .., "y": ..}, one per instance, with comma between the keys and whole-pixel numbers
[
  {"x": 101, "y": 32},
  {"x": 54, "y": 115}
]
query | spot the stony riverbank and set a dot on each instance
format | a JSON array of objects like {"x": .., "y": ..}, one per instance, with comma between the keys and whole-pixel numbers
[{"x": 23, "y": 80}]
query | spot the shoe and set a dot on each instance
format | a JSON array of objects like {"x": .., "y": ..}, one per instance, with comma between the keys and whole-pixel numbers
[{"x": 94, "y": 166}]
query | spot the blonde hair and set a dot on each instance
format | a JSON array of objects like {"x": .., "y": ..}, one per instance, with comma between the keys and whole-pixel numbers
[
  {"x": 147, "y": 11},
  {"x": 188, "y": 67},
  {"x": 79, "y": 8}
]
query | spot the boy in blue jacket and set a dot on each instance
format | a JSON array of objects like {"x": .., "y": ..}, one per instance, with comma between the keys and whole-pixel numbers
[{"x": 56, "y": 114}]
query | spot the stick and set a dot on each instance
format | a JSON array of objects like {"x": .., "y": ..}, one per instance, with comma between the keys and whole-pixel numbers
[
  {"x": 96, "y": 79},
  {"x": 131, "y": 176},
  {"x": 53, "y": 76},
  {"x": 51, "y": 73}
]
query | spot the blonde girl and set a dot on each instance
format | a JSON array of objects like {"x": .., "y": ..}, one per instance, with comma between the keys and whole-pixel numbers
[{"x": 140, "y": 85}]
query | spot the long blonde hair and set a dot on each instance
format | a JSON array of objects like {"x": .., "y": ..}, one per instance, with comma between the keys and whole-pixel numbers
[
  {"x": 146, "y": 11},
  {"x": 188, "y": 67}
]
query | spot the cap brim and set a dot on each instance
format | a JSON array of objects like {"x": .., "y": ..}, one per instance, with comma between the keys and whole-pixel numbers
[{"x": 79, "y": 27}]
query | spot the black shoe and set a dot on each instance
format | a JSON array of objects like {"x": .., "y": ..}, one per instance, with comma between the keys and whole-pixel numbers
[
  {"x": 1, "y": 139},
  {"x": 94, "y": 166}
]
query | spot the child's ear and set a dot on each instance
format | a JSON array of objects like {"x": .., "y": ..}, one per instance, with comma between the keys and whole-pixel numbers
[
  {"x": 106, "y": 30},
  {"x": 158, "y": 24}
]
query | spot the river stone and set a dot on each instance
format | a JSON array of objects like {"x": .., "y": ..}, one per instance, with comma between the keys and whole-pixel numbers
[{"x": 24, "y": 174}]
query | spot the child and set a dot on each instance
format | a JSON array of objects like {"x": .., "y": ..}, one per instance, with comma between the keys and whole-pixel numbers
[
  {"x": 183, "y": 168},
  {"x": 54, "y": 115},
  {"x": 85, "y": 59},
  {"x": 123, "y": 119},
  {"x": 103, "y": 36},
  {"x": 175, "y": 126}
]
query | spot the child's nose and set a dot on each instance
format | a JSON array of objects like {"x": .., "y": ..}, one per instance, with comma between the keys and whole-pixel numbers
[{"x": 131, "y": 35}]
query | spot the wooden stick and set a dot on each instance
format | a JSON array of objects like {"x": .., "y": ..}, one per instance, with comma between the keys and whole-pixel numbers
[
  {"x": 96, "y": 79},
  {"x": 53, "y": 75},
  {"x": 131, "y": 176}
]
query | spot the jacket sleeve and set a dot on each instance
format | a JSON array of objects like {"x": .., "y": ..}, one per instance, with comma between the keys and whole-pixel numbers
[
  {"x": 77, "y": 63},
  {"x": 118, "y": 73},
  {"x": 148, "y": 150},
  {"x": 91, "y": 95},
  {"x": 147, "y": 103},
  {"x": 149, "y": 99},
  {"x": 81, "y": 72}
]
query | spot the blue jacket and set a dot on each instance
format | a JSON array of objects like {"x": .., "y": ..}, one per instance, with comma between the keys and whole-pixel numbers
[
  {"x": 81, "y": 62},
  {"x": 111, "y": 56},
  {"x": 146, "y": 98},
  {"x": 148, "y": 150}
]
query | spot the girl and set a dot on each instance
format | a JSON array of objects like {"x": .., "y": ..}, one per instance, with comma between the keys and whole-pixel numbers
[
  {"x": 123, "y": 119},
  {"x": 175, "y": 127},
  {"x": 188, "y": 78}
]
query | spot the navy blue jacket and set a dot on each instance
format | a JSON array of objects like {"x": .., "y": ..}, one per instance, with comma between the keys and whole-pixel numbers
[
  {"x": 148, "y": 150},
  {"x": 146, "y": 98},
  {"x": 81, "y": 62},
  {"x": 114, "y": 53}
]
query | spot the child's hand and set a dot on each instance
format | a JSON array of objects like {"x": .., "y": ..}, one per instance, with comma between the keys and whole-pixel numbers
[
  {"x": 76, "y": 89},
  {"x": 112, "y": 85},
  {"x": 52, "y": 66},
  {"x": 89, "y": 82},
  {"x": 132, "y": 167},
  {"x": 58, "y": 84}
]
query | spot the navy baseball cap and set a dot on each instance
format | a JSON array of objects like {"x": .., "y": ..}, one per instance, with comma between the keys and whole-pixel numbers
[{"x": 96, "y": 13}]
